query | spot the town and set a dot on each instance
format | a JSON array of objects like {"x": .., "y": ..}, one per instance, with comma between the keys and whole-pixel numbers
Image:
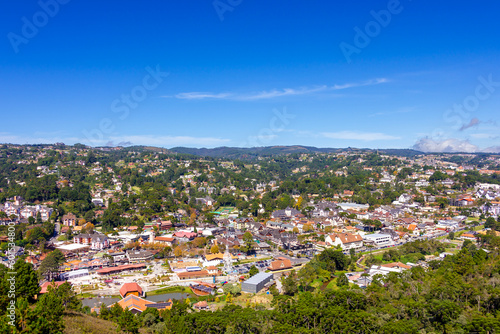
[{"x": 144, "y": 228}]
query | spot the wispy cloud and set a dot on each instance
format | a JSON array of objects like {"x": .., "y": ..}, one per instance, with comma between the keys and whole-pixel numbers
[
  {"x": 270, "y": 94},
  {"x": 473, "y": 122},
  {"x": 278, "y": 93},
  {"x": 370, "y": 82},
  {"x": 201, "y": 95},
  {"x": 363, "y": 136}
]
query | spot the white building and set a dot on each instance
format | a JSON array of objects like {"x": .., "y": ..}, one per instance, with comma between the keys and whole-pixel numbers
[
  {"x": 345, "y": 240},
  {"x": 378, "y": 239}
]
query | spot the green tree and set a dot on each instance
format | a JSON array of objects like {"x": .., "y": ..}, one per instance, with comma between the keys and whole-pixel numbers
[
  {"x": 67, "y": 296},
  {"x": 290, "y": 284},
  {"x": 333, "y": 260},
  {"x": 442, "y": 313},
  {"x": 248, "y": 239},
  {"x": 26, "y": 280},
  {"x": 50, "y": 265},
  {"x": 128, "y": 322},
  {"x": 342, "y": 280},
  {"x": 253, "y": 271},
  {"x": 38, "y": 218}
]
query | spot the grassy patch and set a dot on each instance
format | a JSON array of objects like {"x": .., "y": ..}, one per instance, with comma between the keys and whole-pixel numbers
[
  {"x": 78, "y": 323},
  {"x": 170, "y": 289},
  {"x": 253, "y": 260},
  {"x": 317, "y": 283},
  {"x": 332, "y": 285}
]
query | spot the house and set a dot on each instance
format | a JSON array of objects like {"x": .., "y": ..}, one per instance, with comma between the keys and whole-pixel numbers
[
  {"x": 185, "y": 236},
  {"x": 165, "y": 225},
  {"x": 345, "y": 240},
  {"x": 396, "y": 265},
  {"x": 207, "y": 201},
  {"x": 212, "y": 270},
  {"x": 203, "y": 305},
  {"x": 33, "y": 260},
  {"x": 117, "y": 256},
  {"x": 45, "y": 213},
  {"x": 27, "y": 212},
  {"x": 98, "y": 201},
  {"x": 69, "y": 219},
  {"x": 165, "y": 241},
  {"x": 286, "y": 214},
  {"x": 95, "y": 241},
  {"x": 139, "y": 256},
  {"x": 44, "y": 288},
  {"x": 193, "y": 274},
  {"x": 468, "y": 236},
  {"x": 280, "y": 264},
  {"x": 405, "y": 198},
  {"x": 348, "y": 193},
  {"x": 131, "y": 289}
]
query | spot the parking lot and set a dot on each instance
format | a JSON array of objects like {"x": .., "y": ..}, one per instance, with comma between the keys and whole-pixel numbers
[{"x": 245, "y": 268}]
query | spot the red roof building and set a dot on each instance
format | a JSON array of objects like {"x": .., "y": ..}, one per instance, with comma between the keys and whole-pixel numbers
[{"x": 131, "y": 289}]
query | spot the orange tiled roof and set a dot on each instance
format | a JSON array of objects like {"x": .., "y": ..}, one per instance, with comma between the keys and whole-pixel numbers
[
  {"x": 396, "y": 265},
  {"x": 130, "y": 287},
  {"x": 44, "y": 287},
  {"x": 280, "y": 264},
  {"x": 134, "y": 303},
  {"x": 346, "y": 238}
]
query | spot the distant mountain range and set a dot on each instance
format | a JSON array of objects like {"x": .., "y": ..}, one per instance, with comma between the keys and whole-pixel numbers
[{"x": 253, "y": 152}]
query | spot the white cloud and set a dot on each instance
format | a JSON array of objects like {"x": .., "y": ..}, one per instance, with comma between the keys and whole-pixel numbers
[
  {"x": 278, "y": 93},
  {"x": 270, "y": 94},
  {"x": 201, "y": 95},
  {"x": 364, "y": 136},
  {"x": 448, "y": 145},
  {"x": 361, "y": 84}
]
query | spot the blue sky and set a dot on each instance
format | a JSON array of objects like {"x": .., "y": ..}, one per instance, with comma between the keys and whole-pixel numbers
[{"x": 376, "y": 74}]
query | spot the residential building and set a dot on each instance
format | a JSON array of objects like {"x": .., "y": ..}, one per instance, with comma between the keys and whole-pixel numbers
[{"x": 345, "y": 240}]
